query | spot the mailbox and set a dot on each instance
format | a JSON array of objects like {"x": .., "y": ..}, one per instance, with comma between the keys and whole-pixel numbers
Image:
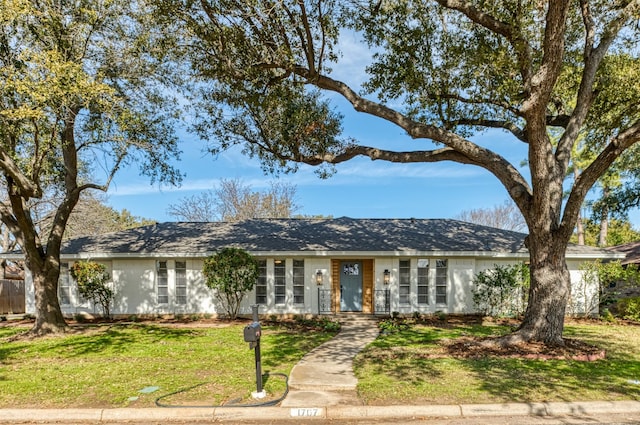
[{"x": 252, "y": 332}]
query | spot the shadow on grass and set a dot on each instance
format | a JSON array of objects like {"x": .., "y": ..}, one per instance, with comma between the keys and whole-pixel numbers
[
  {"x": 413, "y": 357},
  {"x": 120, "y": 337},
  {"x": 563, "y": 380},
  {"x": 93, "y": 340},
  {"x": 286, "y": 347}
]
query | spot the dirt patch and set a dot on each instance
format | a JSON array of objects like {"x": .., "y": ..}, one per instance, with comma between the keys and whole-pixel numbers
[{"x": 469, "y": 347}]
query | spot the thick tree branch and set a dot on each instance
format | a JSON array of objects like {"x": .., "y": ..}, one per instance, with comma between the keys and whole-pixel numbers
[
  {"x": 505, "y": 125},
  {"x": 9, "y": 220},
  {"x": 593, "y": 57},
  {"x": 25, "y": 186},
  {"x": 470, "y": 153},
  {"x": 544, "y": 79}
]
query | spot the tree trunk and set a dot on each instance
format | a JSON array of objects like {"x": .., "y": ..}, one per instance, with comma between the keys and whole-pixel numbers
[
  {"x": 548, "y": 296},
  {"x": 580, "y": 230},
  {"x": 604, "y": 228},
  {"x": 579, "y": 224},
  {"x": 49, "y": 318}
]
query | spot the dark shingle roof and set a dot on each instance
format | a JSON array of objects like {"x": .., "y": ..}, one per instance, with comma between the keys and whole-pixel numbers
[
  {"x": 303, "y": 235},
  {"x": 631, "y": 251}
]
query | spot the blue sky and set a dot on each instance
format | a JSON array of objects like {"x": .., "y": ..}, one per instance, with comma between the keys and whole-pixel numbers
[{"x": 361, "y": 188}]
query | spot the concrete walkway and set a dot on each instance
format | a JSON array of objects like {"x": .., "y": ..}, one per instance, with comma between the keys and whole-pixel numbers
[{"x": 324, "y": 377}]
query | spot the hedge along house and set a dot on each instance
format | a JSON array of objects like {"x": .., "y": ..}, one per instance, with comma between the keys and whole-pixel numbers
[{"x": 307, "y": 266}]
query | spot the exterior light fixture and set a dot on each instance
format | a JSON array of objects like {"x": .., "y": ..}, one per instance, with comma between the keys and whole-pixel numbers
[
  {"x": 386, "y": 276},
  {"x": 319, "y": 277}
]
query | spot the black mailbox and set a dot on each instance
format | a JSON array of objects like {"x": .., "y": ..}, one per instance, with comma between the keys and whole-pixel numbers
[{"x": 252, "y": 332}]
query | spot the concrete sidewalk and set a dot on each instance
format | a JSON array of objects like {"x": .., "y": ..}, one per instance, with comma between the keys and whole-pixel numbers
[
  {"x": 322, "y": 385},
  {"x": 631, "y": 410}
]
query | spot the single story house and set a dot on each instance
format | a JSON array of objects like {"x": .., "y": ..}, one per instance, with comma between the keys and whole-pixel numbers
[{"x": 307, "y": 266}]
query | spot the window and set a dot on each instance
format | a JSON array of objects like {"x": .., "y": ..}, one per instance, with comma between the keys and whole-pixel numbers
[
  {"x": 441, "y": 281},
  {"x": 298, "y": 281},
  {"x": 405, "y": 281},
  {"x": 423, "y": 282},
  {"x": 261, "y": 284},
  {"x": 162, "y": 277},
  {"x": 64, "y": 285},
  {"x": 181, "y": 282},
  {"x": 279, "y": 281}
]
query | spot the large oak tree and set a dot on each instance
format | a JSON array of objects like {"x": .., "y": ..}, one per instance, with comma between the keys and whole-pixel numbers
[
  {"x": 78, "y": 101},
  {"x": 442, "y": 71}
]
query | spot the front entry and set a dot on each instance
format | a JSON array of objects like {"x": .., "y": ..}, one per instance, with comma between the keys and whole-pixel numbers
[{"x": 351, "y": 286}]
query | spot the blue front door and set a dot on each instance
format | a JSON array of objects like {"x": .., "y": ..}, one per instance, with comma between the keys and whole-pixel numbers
[{"x": 350, "y": 286}]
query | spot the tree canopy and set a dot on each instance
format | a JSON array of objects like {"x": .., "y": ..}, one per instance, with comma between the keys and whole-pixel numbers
[
  {"x": 544, "y": 72},
  {"x": 81, "y": 96}
]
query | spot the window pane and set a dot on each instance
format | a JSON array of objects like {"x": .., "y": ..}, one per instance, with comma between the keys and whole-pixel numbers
[
  {"x": 261, "y": 284},
  {"x": 441, "y": 281},
  {"x": 163, "y": 283},
  {"x": 64, "y": 285},
  {"x": 423, "y": 282},
  {"x": 404, "y": 277},
  {"x": 279, "y": 280},
  {"x": 298, "y": 281},
  {"x": 181, "y": 282}
]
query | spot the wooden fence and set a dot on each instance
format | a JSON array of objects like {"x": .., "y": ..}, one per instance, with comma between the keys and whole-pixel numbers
[{"x": 12, "y": 299}]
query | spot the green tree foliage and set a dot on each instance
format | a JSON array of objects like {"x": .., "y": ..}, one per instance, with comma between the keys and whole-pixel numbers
[
  {"x": 442, "y": 71},
  {"x": 81, "y": 96},
  {"x": 619, "y": 232},
  {"x": 92, "y": 279},
  {"x": 501, "y": 291},
  {"x": 608, "y": 278},
  {"x": 231, "y": 273},
  {"x": 629, "y": 308}
]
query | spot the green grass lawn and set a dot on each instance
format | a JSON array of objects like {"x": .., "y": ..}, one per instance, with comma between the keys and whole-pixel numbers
[
  {"x": 400, "y": 368},
  {"x": 108, "y": 365}
]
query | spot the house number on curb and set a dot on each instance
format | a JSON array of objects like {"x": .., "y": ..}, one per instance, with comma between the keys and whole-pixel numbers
[{"x": 306, "y": 412}]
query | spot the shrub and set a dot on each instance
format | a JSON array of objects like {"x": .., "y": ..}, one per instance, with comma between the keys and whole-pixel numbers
[
  {"x": 92, "y": 279},
  {"x": 392, "y": 325},
  {"x": 329, "y": 325},
  {"x": 607, "y": 316},
  {"x": 609, "y": 279},
  {"x": 232, "y": 272},
  {"x": 629, "y": 308},
  {"x": 501, "y": 291}
]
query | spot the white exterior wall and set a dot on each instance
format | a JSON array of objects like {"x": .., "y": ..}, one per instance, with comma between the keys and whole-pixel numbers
[
  {"x": 135, "y": 287},
  {"x": 585, "y": 296},
  {"x": 460, "y": 272},
  {"x": 310, "y": 305}
]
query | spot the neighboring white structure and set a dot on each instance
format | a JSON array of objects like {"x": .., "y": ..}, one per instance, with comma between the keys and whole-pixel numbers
[{"x": 307, "y": 266}]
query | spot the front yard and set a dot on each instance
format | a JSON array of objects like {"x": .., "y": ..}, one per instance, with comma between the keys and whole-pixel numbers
[
  {"x": 130, "y": 365},
  {"x": 414, "y": 366},
  {"x": 120, "y": 365}
]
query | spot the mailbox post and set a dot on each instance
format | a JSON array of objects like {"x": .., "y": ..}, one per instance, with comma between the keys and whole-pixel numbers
[{"x": 252, "y": 334}]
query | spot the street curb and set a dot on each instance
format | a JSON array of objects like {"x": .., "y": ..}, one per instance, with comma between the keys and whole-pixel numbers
[{"x": 327, "y": 412}]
